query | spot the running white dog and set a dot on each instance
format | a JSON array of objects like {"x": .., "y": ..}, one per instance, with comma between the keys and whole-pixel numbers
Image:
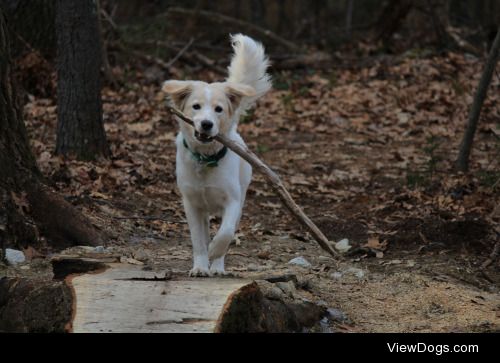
[{"x": 212, "y": 179}]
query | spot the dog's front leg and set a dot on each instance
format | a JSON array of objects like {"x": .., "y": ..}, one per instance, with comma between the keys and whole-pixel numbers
[
  {"x": 200, "y": 237},
  {"x": 220, "y": 244}
]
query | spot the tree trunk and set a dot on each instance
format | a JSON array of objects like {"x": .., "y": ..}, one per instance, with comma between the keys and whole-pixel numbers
[
  {"x": 258, "y": 8},
  {"x": 27, "y": 207},
  {"x": 31, "y": 23},
  {"x": 80, "y": 129},
  {"x": 348, "y": 17},
  {"x": 393, "y": 16},
  {"x": 462, "y": 163}
]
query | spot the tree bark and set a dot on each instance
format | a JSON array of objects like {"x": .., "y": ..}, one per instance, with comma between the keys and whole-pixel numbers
[
  {"x": 31, "y": 22},
  {"x": 28, "y": 208},
  {"x": 348, "y": 18},
  {"x": 80, "y": 129},
  {"x": 393, "y": 16},
  {"x": 31, "y": 306},
  {"x": 462, "y": 163},
  {"x": 252, "y": 309}
]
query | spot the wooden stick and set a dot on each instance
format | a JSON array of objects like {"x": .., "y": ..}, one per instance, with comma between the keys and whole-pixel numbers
[
  {"x": 275, "y": 182},
  {"x": 180, "y": 54}
]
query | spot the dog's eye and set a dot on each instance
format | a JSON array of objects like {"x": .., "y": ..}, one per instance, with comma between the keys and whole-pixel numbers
[
  {"x": 219, "y": 109},
  {"x": 197, "y": 106}
]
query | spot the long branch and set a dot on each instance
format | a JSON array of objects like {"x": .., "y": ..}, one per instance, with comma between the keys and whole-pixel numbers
[{"x": 275, "y": 182}]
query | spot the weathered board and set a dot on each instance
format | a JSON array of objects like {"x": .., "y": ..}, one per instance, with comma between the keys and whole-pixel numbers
[{"x": 126, "y": 299}]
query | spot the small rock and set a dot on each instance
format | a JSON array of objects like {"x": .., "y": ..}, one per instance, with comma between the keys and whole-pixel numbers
[
  {"x": 141, "y": 255},
  {"x": 25, "y": 267},
  {"x": 324, "y": 325},
  {"x": 300, "y": 261},
  {"x": 282, "y": 278},
  {"x": 253, "y": 267},
  {"x": 343, "y": 246},
  {"x": 287, "y": 287},
  {"x": 14, "y": 257},
  {"x": 411, "y": 263},
  {"x": 99, "y": 249},
  {"x": 336, "y": 275},
  {"x": 337, "y": 315},
  {"x": 270, "y": 264},
  {"x": 275, "y": 293},
  {"x": 359, "y": 273},
  {"x": 271, "y": 291}
]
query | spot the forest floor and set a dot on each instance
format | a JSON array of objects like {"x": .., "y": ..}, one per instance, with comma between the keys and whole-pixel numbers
[{"x": 367, "y": 150}]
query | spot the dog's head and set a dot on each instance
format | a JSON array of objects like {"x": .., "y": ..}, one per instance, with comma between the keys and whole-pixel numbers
[{"x": 211, "y": 106}]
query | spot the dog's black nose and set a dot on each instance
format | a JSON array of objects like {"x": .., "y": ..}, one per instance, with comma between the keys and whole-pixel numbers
[{"x": 207, "y": 125}]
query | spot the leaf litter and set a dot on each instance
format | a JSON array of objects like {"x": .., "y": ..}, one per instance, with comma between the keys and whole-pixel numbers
[{"x": 367, "y": 151}]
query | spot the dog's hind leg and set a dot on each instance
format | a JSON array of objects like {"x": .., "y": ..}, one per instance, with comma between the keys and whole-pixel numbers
[
  {"x": 200, "y": 237},
  {"x": 220, "y": 244}
]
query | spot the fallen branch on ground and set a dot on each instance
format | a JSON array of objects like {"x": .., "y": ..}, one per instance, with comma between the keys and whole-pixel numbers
[
  {"x": 493, "y": 256},
  {"x": 148, "y": 58},
  {"x": 192, "y": 57},
  {"x": 181, "y": 53},
  {"x": 275, "y": 182}
]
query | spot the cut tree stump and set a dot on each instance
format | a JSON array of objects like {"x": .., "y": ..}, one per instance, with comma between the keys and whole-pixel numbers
[
  {"x": 125, "y": 299},
  {"x": 122, "y": 298},
  {"x": 34, "y": 306}
]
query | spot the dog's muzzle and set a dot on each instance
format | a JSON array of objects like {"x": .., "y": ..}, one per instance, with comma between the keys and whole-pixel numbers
[{"x": 204, "y": 138}]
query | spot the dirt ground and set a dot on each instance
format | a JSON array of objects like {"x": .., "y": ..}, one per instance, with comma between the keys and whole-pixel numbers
[{"x": 367, "y": 151}]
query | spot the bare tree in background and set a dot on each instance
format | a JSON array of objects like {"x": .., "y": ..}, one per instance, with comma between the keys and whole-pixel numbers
[
  {"x": 259, "y": 10},
  {"x": 28, "y": 207},
  {"x": 80, "y": 129},
  {"x": 348, "y": 20},
  {"x": 31, "y": 22},
  {"x": 462, "y": 163}
]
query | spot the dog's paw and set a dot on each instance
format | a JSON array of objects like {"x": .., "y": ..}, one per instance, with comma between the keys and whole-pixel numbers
[
  {"x": 218, "y": 272},
  {"x": 217, "y": 267},
  {"x": 199, "y": 272}
]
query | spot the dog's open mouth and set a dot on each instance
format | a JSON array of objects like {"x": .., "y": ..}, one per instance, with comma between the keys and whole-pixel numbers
[{"x": 203, "y": 137}]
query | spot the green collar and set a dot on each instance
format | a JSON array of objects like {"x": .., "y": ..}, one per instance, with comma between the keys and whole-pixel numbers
[{"x": 210, "y": 161}]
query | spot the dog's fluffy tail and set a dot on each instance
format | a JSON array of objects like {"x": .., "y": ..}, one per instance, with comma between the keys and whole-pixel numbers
[{"x": 249, "y": 67}]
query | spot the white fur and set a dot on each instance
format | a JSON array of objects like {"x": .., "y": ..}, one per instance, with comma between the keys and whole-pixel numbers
[
  {"x": 249, "y": 66},
  {"x": 218, "y": 191}
]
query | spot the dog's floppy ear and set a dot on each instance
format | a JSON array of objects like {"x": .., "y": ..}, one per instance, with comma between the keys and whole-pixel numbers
[
  {"x": 177, "y": 91},
  {"x": 236, "y": 91}
]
